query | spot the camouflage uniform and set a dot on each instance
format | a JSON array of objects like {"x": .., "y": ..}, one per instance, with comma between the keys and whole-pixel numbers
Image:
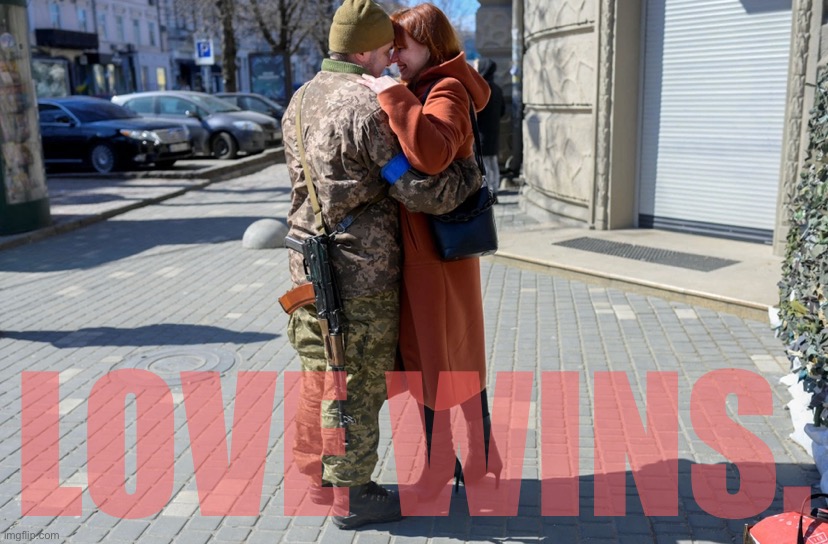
[{"x": 347, "y": 140}]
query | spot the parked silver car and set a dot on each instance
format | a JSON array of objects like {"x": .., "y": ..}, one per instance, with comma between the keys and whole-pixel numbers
[{"x": 218, "y": 129}]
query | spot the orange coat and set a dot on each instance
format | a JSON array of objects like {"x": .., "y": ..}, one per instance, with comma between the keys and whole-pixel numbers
[{"x": 441, "y": 319}]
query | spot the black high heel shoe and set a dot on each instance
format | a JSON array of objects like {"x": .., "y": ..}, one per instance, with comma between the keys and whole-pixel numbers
[
  {"x": 428, "y": 488},
  {"x": 458, "y": 476},
  {"x": 477, "y": 468}
]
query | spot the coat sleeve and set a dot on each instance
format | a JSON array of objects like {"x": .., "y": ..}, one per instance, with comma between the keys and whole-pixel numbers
[
  {"x": 435, "y": 194},
  {"x": 430, "y": 134},
  {"x": 440, "y": 193}
]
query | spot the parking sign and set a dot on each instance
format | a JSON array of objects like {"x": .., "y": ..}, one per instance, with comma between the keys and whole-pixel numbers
[{"x": 204, "y": 52}]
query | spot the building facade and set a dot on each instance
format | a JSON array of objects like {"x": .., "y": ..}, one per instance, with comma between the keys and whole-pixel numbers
[
  {"x": 108, "y": 47},
  {"x": 679, "y": 114},
  {"x": 97, "y": 47}
]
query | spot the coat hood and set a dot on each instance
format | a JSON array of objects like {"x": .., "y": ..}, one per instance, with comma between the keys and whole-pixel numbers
[{"x": 462, "y": 71}]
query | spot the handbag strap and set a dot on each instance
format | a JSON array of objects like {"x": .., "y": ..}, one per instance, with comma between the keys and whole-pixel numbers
[
  {"x": 317, "y": 209},
  {"x": 478, "y": 148}
]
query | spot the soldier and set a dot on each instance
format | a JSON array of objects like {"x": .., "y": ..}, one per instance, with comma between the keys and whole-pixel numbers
[{"x": 354, "y": 163}]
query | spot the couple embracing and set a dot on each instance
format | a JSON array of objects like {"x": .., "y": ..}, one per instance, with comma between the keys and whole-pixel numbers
[{"x": 369, "y": 157}]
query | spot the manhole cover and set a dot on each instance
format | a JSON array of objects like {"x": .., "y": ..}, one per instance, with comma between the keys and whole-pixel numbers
[{"x": 169, "y": 363}]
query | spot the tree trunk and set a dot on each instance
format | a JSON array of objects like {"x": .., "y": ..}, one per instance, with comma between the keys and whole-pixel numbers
[
  {"x": 228, "y": 49},
  {"x": 288, "y": 77}
]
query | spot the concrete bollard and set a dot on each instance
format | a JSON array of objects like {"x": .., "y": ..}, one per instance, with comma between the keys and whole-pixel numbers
[{"x": 265, "y": 234}]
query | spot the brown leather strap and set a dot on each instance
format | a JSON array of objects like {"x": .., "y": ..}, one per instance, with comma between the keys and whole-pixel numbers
[{"x": 297, "y": 298}]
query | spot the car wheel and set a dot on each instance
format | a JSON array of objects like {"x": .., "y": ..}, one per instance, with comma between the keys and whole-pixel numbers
[
  {"x": 164, "y": 165},
  {"x": 102, "y": 158},
  {"x": 223, "y": 146}
]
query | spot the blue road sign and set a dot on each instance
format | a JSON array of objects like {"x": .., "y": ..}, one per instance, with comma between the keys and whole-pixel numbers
[{"x": 204, "y": 51}]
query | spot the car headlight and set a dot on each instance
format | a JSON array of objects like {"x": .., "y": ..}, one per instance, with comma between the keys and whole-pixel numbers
[
  {"x": 142, "y": 135},
  {"x": 247, "y": 125}
]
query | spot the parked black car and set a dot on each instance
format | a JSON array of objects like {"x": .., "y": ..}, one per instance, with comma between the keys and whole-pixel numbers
[
  {"x": 218, "y": 128},
  {"x": 255, "y": 102},
  {"x": 91, "y": 131}
]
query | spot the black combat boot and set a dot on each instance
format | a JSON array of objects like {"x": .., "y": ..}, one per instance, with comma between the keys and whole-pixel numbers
[{"x": 370, "y": 503}]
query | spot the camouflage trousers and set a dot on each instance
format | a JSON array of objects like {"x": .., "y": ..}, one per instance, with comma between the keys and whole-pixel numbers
[{"x": 370, "y": 350}]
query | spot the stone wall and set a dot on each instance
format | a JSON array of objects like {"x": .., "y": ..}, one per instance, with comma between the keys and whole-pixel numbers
[
  {"x": 559, "y": 95},
  {"x": 805, "y": 54}
]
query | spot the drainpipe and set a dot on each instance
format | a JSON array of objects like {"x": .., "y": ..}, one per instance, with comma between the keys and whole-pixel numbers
[{"x": 515, "y": 162}]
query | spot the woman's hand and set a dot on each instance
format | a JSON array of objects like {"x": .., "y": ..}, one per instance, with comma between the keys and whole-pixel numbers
[{"x": 378, "y": 84}]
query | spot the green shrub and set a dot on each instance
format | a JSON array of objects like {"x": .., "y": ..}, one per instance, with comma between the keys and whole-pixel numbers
[{"x": 805, "y": 269}]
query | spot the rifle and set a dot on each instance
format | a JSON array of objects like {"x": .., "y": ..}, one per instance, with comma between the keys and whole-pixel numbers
[{"x": 329, "y": 312}]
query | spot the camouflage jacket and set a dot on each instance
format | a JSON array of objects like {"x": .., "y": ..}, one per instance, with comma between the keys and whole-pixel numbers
[{"x": 347, "y": 139}]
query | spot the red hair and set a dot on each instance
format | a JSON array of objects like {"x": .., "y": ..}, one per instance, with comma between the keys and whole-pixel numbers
[{"x": 429, "y": 26}]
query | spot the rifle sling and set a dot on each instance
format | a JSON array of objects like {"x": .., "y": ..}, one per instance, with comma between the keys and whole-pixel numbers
[
  {"x": 317, "y": 209},
  {"x": 343, "y": 225}
]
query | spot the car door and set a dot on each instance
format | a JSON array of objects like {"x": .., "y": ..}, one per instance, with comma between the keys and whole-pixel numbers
[
  {"x": 61, "y": 135},
  {"x": 175, "y": 109}
]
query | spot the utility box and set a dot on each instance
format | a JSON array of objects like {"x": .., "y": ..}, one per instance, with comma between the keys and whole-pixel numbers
[{"x": 24, "y": 201}]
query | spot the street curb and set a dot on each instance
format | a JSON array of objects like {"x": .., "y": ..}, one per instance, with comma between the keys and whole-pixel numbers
[
  {"x": 203, "y": 178},
  {"x": 741, "y": 308}
]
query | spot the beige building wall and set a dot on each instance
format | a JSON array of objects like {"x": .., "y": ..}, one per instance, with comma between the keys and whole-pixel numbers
[
  {"x": 580, "y": 94},
  {"x": 559, "y": 96},
  {"x": 807, "y": 48}
]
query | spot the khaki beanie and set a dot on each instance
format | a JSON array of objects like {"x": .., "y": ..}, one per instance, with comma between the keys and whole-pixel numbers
[{"x": 359, "y": 26}]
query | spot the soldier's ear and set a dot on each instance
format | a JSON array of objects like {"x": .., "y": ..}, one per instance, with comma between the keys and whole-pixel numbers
[{"x": 362, "y": 58}]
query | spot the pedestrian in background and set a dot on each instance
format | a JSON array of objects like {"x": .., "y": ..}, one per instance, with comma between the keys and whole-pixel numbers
[
  {"x": 347, "y": 142},
  {"x": 489, "y": 122},
  {"x": 430, "y": 112}
]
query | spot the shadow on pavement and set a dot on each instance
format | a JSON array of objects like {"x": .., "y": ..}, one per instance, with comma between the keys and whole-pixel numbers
[
  {"x": 164, "y": 334},
  {"x": 113, "y": 240},
  {"x": 81, "y": 199},
  {"x": 581, "y": 524}
]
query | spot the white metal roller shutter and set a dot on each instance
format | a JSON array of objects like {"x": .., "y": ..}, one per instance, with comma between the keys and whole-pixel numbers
[{"x": 715, "y": 78}]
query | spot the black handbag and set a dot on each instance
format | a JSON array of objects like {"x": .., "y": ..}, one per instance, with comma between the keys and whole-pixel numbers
[{"x": 469, "y": 230}]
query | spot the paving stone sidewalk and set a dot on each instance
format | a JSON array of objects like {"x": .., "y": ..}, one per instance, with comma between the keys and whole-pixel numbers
[{"x": 168, "y": 287}]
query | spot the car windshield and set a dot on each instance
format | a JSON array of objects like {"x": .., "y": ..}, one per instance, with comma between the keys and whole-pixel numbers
[
  {"x": 212, "y": 104},
  {"x": 89, "y": 112}
]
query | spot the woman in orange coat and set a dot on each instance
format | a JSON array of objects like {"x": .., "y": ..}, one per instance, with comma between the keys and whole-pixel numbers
[{"x": 441, "y": 320}]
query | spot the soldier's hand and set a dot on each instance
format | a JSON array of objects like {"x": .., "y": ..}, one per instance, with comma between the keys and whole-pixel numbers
[{"x": 378, "y": 84}]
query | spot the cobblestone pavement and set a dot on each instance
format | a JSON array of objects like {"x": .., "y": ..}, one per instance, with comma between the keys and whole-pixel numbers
[{"x": 169, "y": 287}]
